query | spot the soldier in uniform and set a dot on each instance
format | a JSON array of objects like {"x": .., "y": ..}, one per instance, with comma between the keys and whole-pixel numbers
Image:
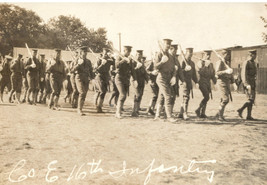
[
  {"x": 41, "y": 78},
  {"x": 24, "y": 81},
  {"x": 33, "y": 72},
  {"x": 84, "y": 73},
  {"x": 248, "y": 75},
  {"x": 68, "y": 83},
  {"x": 189, "y": 72},
  {"x": 48, "y": 89},
  {"x": 206, "y": 73},
  {"x": 165, "y": 64},
  {"x": 17, "y": 69},
  {"x": 125, "y": 70},
  {"x": 179, "y": 73},
  {"x": 152, "y": 75},
  {"x": 101, "y": 69},
  {"x": 141, "y": 78},
  {"x": 57, "y": 75},
  {"x": 4, "y": 75},
  {"x": 114, "y": 91},
  {"x": 75, "y": 93},
  {"x": 224, "y": 79}
]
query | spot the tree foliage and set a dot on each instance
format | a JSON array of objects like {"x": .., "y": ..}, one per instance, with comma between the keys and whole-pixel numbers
[
  {"x": 19, "y": 26},
  {"x": 264, "y": 35}
]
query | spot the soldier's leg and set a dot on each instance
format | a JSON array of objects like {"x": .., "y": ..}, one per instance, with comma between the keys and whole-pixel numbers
[
  {"x": 102, "y": 92},
  {"x": 2, "y": 87},
  {"x": 18, "y": 89},
  {"x": 251, "y": 99},
  {"x": 59, "y": 84},
  {"x": 31, "y": 87},
  {"x": 26, "y": 87},
  {"x": 82, "y": 87},
  {"x": 204, "y": 102},
  {"x": 160, "y": 105},
  {"x": 13, "y": 87},
  {"x": 136, "y": 100},
  {"x": 75, "y": 93},
  {"x": 224, "y": 100},
  {"x": 113, "y": 92},
  {"x": 54, "y": 90},
  {"x": 122, "y": 96}
]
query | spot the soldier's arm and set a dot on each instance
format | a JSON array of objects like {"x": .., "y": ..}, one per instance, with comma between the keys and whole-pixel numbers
[
  {"x": 149, "y": 68},
  {"x": 158, "y": 61},
  {"x": 244, "y": 73},
  {"x": 28, "y": 64},
  {"x": 194, "y": 77},
  {"x": 180, "y": 72},
  {"x": 212, "y": 73},
  {"x": 133, "y": 73},
  {"x": 218, "y": 70},
  {"x": 13, "y": 64},
  {"x": 91, "y": 73},
  {"x": 119, "y": 61},
  {"x": 99, "y": 66}
]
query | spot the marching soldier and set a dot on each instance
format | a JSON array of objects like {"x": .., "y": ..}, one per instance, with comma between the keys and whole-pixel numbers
[
  {"x": 189, "y": 72},
  {"x": 84, "y": 73},
  {"x": 141, "y": 78},
  {"x": 57, "y": 75},
  {"x": 48, "y": 89},
  {"x": 42, "y": 78},
  {"x": 206, "y": 73},
  {"x": 248, "y": 75},
  {"x": 114, "y": 91},
  {"x": 75, "y": 93},
  {"x": 179, "y": 73},
  {"x": 224, "y": 79},
  {"x": 102, "y": 78},
  {"x": 125, "y": 69},
  {"x": 33, "y": 72},
  {"x": 4, "y": 75},
  {"x": 166, "y": 78},
  {"x": 24, "y": 81},
  {"x": 17, "y": 69},
  {"x": 152, "y": 75},
  {"x": 68, "y": 83}
]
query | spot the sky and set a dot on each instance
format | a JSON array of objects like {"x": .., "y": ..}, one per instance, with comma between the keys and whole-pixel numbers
[{"x": 198, "y": 25}]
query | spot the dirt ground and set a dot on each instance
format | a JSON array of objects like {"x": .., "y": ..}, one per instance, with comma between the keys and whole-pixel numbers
[{"x": 39, "y": 145}]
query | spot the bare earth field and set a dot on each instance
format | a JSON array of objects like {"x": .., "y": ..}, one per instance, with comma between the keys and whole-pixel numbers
[{"x": 39, "y": 146}]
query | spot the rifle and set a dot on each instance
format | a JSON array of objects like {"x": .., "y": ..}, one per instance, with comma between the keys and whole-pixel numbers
[
  {"x": 29, "y": 52},
  {"x": 220, "y": 57}
]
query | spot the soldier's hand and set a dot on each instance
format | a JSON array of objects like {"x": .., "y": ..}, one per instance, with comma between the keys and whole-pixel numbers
[
  {"x": 197, "y": 85},
  {"x": 173, "y": 81},
  {"x": 135, "y": 84},
  {"x": 164, "y": 59},
  {"x": 155, "y": 72},
  {"x": 248, "y": 87},
  {"x": 33, "y": 65},
  {"x": 80, "y": 61},
  {"x": 104, "y": 61},
  {"x": 126, "y": 59},
  {"x": 229, "y": 71},
  {"x": 187, "y": 68},
  {"x": 42, "y": 79},
  {"x": 138, "y": 65}
]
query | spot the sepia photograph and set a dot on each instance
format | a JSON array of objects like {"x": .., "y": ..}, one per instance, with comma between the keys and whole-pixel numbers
[{"x": 133, "y": 93}]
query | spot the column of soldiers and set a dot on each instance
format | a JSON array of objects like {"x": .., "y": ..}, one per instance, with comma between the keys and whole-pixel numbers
[{"x": 43, "y": 80}]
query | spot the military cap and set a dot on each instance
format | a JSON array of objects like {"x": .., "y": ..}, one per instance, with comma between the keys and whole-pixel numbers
[
  {"x": 20, "y": 55},
  {"x": 190, "y": 50},
  {"x": 8, "y": 57},
  {"x": 139, "y": 51},
  {"x": 84, "y": 48},
  {"x": 177, "y": 55},
  {"x": 144, "y": 58},
  {"x": 254, "y": 51},
  {"x": 34, "y": 50},
  {"x": 224, "y": 51},
  {"x": 207, "y": 51},
  {"x": 175, "y": 46},
  {"x": 128, "y": 47},
  {"x": 42, "y": 55},
  {"x": 57, "y": 50},
  {"x": 168, "y": 41}
]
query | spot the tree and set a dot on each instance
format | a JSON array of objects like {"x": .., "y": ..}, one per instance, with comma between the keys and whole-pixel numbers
[
  {"x": 70, "y": 31},
  {"x": 17, "y": 27},
  {"x": 264, "y": 35}
]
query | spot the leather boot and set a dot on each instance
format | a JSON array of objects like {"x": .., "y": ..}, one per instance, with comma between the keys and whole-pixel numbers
[
  {"x": 240, "y": 111},
  {"x": 135, "y": 108},
  {"x": 203, "y": 111},
  {"x": 100, "y": 105},
  {"x": 185, "y": 116},
  {"x": 249, "y": 117},
  {"x": 80, "y": 107},
  {"x": 180, "y": 115},
  {"x": 118, "y": 111},
  {"x": 158, "y": 111},
  {"x": 18, "y": 98}
]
